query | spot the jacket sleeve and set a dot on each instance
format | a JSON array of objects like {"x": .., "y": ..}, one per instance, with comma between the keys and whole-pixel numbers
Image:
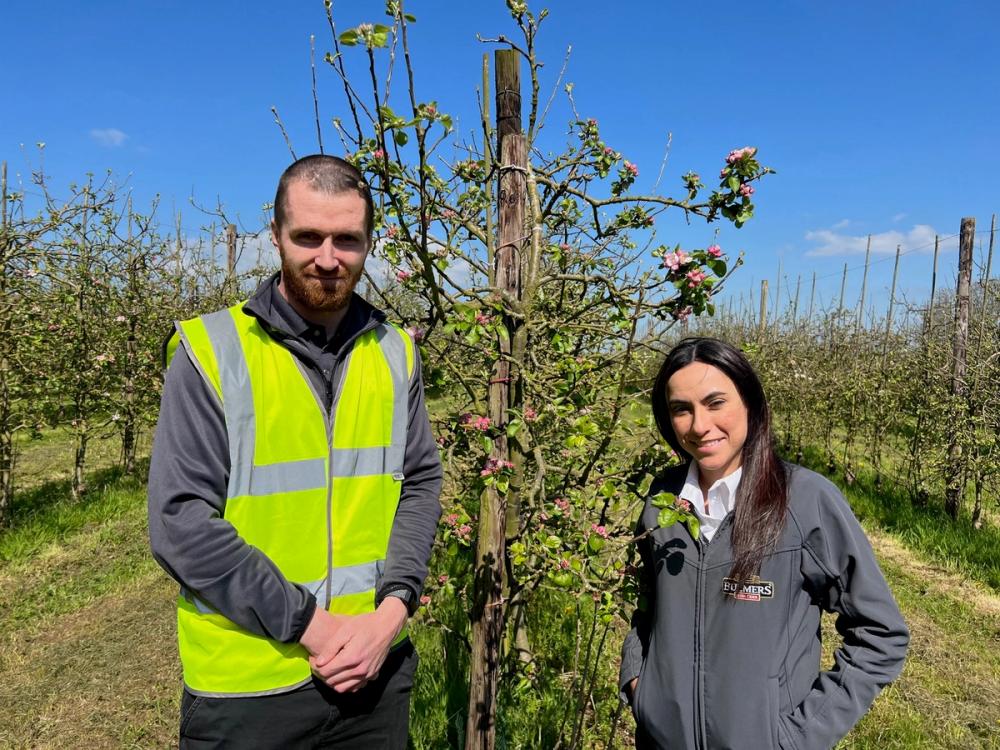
[
  {"x": 195, "y": 545},
  {"x": 636, "y": 643},
  {"x": 415, "y": 523},
  {"x": 843, "y": 576}
]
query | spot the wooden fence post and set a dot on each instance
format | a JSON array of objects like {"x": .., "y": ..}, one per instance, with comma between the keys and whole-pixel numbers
[
  {"x": 230, "y": 252},
  {"x": 977, "y": 403},
  {"x": 954, "y": 486},
  {"x": 487, "y": 613},
  {"x": 762, "y": 320},
  {"x": 864, "y": 286}
]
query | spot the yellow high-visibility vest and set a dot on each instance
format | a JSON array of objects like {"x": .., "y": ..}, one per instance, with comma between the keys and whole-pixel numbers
[{"x": 315, "y": 491}]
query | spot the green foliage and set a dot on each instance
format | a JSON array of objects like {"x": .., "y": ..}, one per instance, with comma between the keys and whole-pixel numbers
[{"x": 596, "y": 291}]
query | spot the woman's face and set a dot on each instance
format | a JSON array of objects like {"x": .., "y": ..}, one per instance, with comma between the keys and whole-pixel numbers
[{"x": 709, "y": 419}]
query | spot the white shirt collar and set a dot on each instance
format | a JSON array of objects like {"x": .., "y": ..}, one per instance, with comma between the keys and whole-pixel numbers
[{"x": 721, "y": 498}]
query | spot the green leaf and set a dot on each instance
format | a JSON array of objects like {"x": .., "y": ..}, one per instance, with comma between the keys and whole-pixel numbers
[
  {"x": 553, "y": 542},
  {"x": 513, "y": 428},
  {"x": 379, "y": 40},
  {"x": 718, "y": 266},
  {"x": 664, "y": 499},
  {"x": 349, "y": 38},
  {"x": 380, "y": 29},
  {"x": 667, "y": 517},
  {"x": 694, "y": 526},
  {"x": 563, "y": 580},
  {"x": 595, "y": 544},
  {"x": 733, "y": 182},
  {"x": 410, "y": 17},
  {"x": 487, "y": 444}
]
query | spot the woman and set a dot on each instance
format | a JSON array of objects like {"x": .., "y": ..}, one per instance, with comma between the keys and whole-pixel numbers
[{"x": 726, "y": 652}]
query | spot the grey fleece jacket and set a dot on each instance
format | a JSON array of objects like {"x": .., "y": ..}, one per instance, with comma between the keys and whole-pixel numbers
[
  {"x": 189, "y": 471},
  {"x": 722, "y": 671}
]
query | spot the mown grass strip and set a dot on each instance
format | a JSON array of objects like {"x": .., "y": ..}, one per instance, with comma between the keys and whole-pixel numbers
[{"x": 927, "y": 530}]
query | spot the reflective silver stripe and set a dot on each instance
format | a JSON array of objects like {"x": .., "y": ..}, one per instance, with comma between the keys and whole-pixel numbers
[
  {"x": 237, "y": 398},
  {"x": 361, "y": 462},
  {"x": 186, "y": 343},
  {"x": 198, "y": 604},
  {"x": 256, "y": 694},
  {"x": 351, "y": 579},
  {"x": 289, "y": 476},
  {"x": 393, "y": 347}
]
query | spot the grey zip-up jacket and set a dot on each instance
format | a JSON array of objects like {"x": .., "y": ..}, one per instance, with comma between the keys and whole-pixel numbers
[
  {"x": 741, "y": 669},
  {"x": 189, "y": 471}
]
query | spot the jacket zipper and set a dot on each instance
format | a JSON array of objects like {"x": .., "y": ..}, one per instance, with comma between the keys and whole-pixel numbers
[
  {"x": 699, "y": 687},
  {"x": 329, "y": 489},
  {"x": 701, "y": 731}
]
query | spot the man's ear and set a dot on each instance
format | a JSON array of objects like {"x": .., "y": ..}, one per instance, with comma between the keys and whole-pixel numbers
[{"x": 274, "y": 234}]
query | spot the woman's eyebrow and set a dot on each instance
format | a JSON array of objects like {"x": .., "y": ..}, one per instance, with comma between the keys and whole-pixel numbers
[{"x": 713, "y": 394}]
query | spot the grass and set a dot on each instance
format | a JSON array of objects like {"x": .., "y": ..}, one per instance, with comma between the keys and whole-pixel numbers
[
  {"x": 88, "y": 652},
  {"x": 927, "y": 530}
]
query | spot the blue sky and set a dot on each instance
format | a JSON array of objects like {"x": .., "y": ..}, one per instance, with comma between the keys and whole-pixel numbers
[{"x": 880, "y": 117}]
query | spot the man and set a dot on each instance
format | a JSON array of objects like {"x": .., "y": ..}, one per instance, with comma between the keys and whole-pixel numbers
[{"x": 293, "y": 492}]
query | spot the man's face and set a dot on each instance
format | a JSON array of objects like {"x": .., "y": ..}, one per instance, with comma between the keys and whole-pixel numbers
[{"x": 323, "y": 245}]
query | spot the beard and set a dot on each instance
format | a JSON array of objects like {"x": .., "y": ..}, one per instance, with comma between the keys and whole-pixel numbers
[{"x": 323, "y": 294}]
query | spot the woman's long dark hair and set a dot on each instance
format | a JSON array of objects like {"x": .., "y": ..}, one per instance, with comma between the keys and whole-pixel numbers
[{"x": 762, "y": 499}]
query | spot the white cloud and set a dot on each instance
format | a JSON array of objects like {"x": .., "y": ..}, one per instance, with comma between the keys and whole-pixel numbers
[
  {"x": 830, "y": 242},
  {"x": 842, "y": 224},
  {"x": 109, "y": 137},
  {"x": 898, "y": 218}
]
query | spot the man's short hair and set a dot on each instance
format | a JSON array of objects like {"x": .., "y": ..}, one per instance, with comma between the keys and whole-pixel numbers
[{"x": 328, "y": 174}]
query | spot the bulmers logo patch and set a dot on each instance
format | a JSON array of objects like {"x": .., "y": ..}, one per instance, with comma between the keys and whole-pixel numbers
[{"x": 749, "y": 591}]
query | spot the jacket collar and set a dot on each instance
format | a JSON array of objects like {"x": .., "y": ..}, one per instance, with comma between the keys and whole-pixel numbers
[{"x": 282, "y": 322}]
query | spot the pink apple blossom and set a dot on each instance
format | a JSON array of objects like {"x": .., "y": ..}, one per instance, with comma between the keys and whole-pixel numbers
[
  {"x": 714, "y": 250},
  {"x": 417, "y": 334},
  {"x": 379, "y": 153},
  {"x": 403, "y": 275},
  {"x": 675, "y": 260},
  {"x": 632, "y": 168},
  {"x": 695, "y": 277},
  {"x": 746, "y": 190}
]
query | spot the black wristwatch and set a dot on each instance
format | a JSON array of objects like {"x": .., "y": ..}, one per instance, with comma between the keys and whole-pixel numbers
[{"x": 403, "y": 593}]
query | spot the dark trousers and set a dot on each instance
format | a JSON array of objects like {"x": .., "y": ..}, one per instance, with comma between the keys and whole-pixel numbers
[{"x": 375, "y": 717}]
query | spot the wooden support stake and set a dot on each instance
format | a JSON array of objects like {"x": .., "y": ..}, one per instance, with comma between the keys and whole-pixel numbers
[
  {"x": 892, "y": 300},
  {"x": 864, "y": 285},
  {"x": 762, "y": 320},
  {"x": 812, "y": 297},
  {"x": 795, "y": 303},
  {"x": 487, "y": 611},
  {"x": 843, "y": 287},
  {"x": 230, "y": 251},
  {"x": 930, "y": 307},
  {"x": 953, "y": 491}
]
